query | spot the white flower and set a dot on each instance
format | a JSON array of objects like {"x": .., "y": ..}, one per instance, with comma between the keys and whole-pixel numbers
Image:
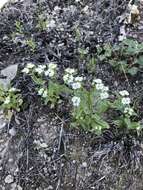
[
  {"x": 126, "y": 101},
  {"x": 68, "y": 78},
  {"x": 99, "y": 86},
  {"x": 49, "y": 73},
  {"x": 104, "y": 95},
  {"x": 97, "y": 81},
  {"x": 78, "y": 79},
  {"x": 45, "y": 93},
  {"x": 40, "y": 91},
  {"x": 76, "y": 85},
  {"x": 105, "y": 89},
  {"x": 12, "y": 89},
  {"x": 129, "y": 111},
  {"x": 124, "y": 93},
  {"x": 25, "y": 70},
  {"x": 30, "y": 65},
  {"x": 70, "y": 71},
  {"x": 42, "y": 66},
  {"x": 39, "y": 70},
  {"x": 52, "y": 66},
  {"x": 76, "y": 101},
  {"x": 7, "y": 100}
]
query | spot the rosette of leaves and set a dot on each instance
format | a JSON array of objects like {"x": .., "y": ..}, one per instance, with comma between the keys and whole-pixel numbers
[
  {"x": 89, "y": 115},
  {"x": 127, "y": 56}
]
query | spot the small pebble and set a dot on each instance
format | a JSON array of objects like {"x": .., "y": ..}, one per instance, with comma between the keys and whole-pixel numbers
[
  {"x": 12, "y": 131},
  {"x": 9, "y": 179},
  {"x": 50, "y": 187},
  {"x": 84, "y": 164}
]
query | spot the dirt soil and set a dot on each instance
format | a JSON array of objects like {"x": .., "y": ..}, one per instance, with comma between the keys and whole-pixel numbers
[{"x": 44, "y": 153}]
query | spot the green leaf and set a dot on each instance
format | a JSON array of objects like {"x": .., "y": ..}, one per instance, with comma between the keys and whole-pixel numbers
[
  {"x": 140, "y": 60},
  {"x": 102, "y": 106},
  {"x": 133, "y": 71}
]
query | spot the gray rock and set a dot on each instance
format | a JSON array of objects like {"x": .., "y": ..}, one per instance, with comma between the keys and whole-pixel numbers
[{"x": 10, "y": 73}]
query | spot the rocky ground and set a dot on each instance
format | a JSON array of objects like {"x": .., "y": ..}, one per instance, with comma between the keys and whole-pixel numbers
[{"x": 38, "y": 150}]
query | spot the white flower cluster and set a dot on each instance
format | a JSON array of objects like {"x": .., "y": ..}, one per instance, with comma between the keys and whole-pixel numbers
[
  {"x": 76, "y": 101},
  {"x": 7, "y": 100},
  {"x": 51, "y": 70},
  {"x": 125, "y": 100},
  {"x": 77, "y": 82},
  {"x": 40, "y": 69},
  {"x": 28, "y": 67},
  {"x": 102, "y": 88},
  {"x": 69, "y": 79},
  {"x": 69, "y": 76},
  {"x": 43, "y": 92},
  {"x": 125, "y": 97}
]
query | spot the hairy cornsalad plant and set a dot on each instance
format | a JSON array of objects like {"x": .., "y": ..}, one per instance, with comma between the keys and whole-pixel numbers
[
  {"x": 45, "y": 78},
  {"x": 127, "y": 56},
  {"x": 10, "y": 99},
  {"x": 89, "y": 104},
  {"x": 123, "y": 104}
]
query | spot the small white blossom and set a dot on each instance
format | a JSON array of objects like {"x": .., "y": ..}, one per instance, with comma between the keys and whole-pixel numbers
[
  {"x": 105, "y": 89},
  {"x": 70, "y": 71},
  {"x": 124, "y": 93},
  {"x": 78, "y": 79},
  {"x": 104, "y": 95},
  {"x": 42, "y": 66},
  {"x": 129, "y": 111},
  {"x": 45, "y": 93},
  {"x": 30, "y": 65},
  {"x": 126, "y": 101},
  {"x": 99, "y": 86},
  {"x": 40, "y": 91},
  {"x": 12, "y": 89},
  {"x": 76, "y": 101},
  {"x": 97, "y": 81},
  {"x": 52, "y": 66},
  {"x": 39, "y": 70},
  {"x": 68, "y": 78},
  {"x": 25, "y": 70},
  {"x": 76, "y": 85},
  {"x": 7, "y": 100},
  {"x": 50, "y": 73}
]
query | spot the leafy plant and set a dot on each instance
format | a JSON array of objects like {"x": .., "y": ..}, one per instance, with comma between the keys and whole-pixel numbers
[
  {"x": 50, "y": 90},
  {"x": 10, "y": 99},
  {"x": 91, "y": 65},
  {"x": 89, "y": 107},
  {"x": 122, "y": 103},
  {"x": 126, "y": 56},
  {"x": 19, "y": 27},
  {"x": 32, "y": 44}
]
